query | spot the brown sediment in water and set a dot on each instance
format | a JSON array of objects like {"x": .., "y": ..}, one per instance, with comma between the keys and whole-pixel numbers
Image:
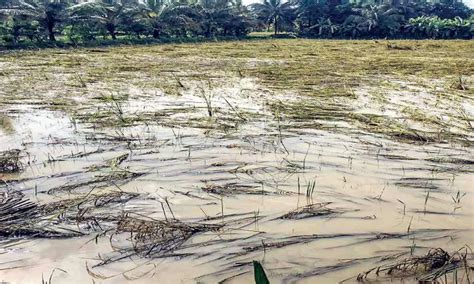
[{"x": 321, "y": 160}]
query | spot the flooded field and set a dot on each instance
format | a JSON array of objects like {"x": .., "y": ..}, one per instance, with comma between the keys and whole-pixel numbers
[{"x": 322, "y": 160}]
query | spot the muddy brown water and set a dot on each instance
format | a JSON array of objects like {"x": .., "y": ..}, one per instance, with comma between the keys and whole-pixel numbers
[{"x": 378, "y": 187}]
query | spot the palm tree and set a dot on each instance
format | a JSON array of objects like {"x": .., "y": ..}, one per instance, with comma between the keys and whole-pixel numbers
[
  {"x": 384, "y": 20},
  {"x": 324, "y": 28},
  {"x": 275, "y": 12},
  {"x": 155, "y": 12},
  {"x": 354, "y": 26},
  {"x": 212, "y": 14},
  {"x": 182, "y": 18},
  {"x": 309, "y": 12},
  {"x": 449, "y": 9},
  {"x": 224, "y": 17},
  {"x": 108, "y": 13},
  {"x": 48, "y": 13},
  {"x": 177, "y": 15}
]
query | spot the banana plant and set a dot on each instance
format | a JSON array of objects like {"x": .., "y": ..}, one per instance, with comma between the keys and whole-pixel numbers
[
  {"x": 155, "y": 12},
  {"x": 435, "y": 27},
  {"x": 275, "y": 12},
  {"x": 324, "y": 28}
]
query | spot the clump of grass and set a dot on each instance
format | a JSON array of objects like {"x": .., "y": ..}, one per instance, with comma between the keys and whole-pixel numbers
[
  {"x": 205, "y": 91},
  {"x": 232, "y": 189},
  {"x": 310, "y": 188},
  {"x": 153, "y": 238},
  {"x": 450, "y": 160},
  {"x": 458, "y": 197},
  {"x": 113, "y": 164},
  {"x": 393, "y": 128},
  {"x": 10, "y": 161},
  {"x": 399, "y": 47},
  {"x": 460, "y": 83},
  {"x": 116, "y": 175},
  {"x": 312, "y": 210},
  {"x": 416, "y": 114},
  {"x": 115, "y": 106},
  {"x": 89, "y": 201},
  {"x": 435, "y": 264},
  {"x": 20, "y": 217},
  {"x": 207, "y": 96}
]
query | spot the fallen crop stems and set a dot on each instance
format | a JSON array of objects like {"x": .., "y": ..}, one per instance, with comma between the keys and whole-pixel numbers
[
  {"x": 20, "y": 217},
  {"x": 89, "y": 201},
  {"x": 100, "y": 179},
  {"x": 353, "y": 116},
  {"x": 23, "y": 218},
  {"x": 233, "y": 188},
  {"x": 427, "y": 268},
  {"x": 10, "y": 161},
  {"x": 152, "y": 238},
  {"x": 312, "y": 210},
  {"x": 321, "y": 270}
]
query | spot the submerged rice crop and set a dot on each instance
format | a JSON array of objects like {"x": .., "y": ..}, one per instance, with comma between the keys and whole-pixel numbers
[{"x": 286, "y": 160}]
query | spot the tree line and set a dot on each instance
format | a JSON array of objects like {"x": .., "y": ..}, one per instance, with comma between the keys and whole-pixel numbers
[{"x": 78, "y": 21}]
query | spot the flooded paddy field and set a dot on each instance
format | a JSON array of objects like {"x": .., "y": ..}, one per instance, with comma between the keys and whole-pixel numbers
[{"x": 325, "y": 161}]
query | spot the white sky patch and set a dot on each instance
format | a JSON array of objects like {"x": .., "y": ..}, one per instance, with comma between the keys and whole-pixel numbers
[{"x": 469, "y": 3}]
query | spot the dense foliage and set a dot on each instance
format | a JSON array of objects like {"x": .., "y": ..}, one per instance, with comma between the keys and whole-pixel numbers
[
  {"x": 409, "y": 20},
  {"x": 76, "y": 21}
]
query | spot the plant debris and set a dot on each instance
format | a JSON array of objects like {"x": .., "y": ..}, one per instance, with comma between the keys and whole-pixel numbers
[
  {"x": 151, "y": 238},
  {"x": 227, "y": 152},
  {"x": 312, "y": 210},
  {"x": 20, "y": 217},
  {"x": 428, "y": 268},
  {"x": 10, "y": 161},
  {"x": 233, "y": 188}
]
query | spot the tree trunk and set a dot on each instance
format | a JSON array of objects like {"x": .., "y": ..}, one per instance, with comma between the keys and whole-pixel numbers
[
  {"x": 111, "y": 29},
  {"x": 156, "y": 33},
  {"x": 275, "y": 26},
  {"x": 51, "y": 31},
  {"x": 15, "y": 34},
  {"x": 112, "y": 33}
]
